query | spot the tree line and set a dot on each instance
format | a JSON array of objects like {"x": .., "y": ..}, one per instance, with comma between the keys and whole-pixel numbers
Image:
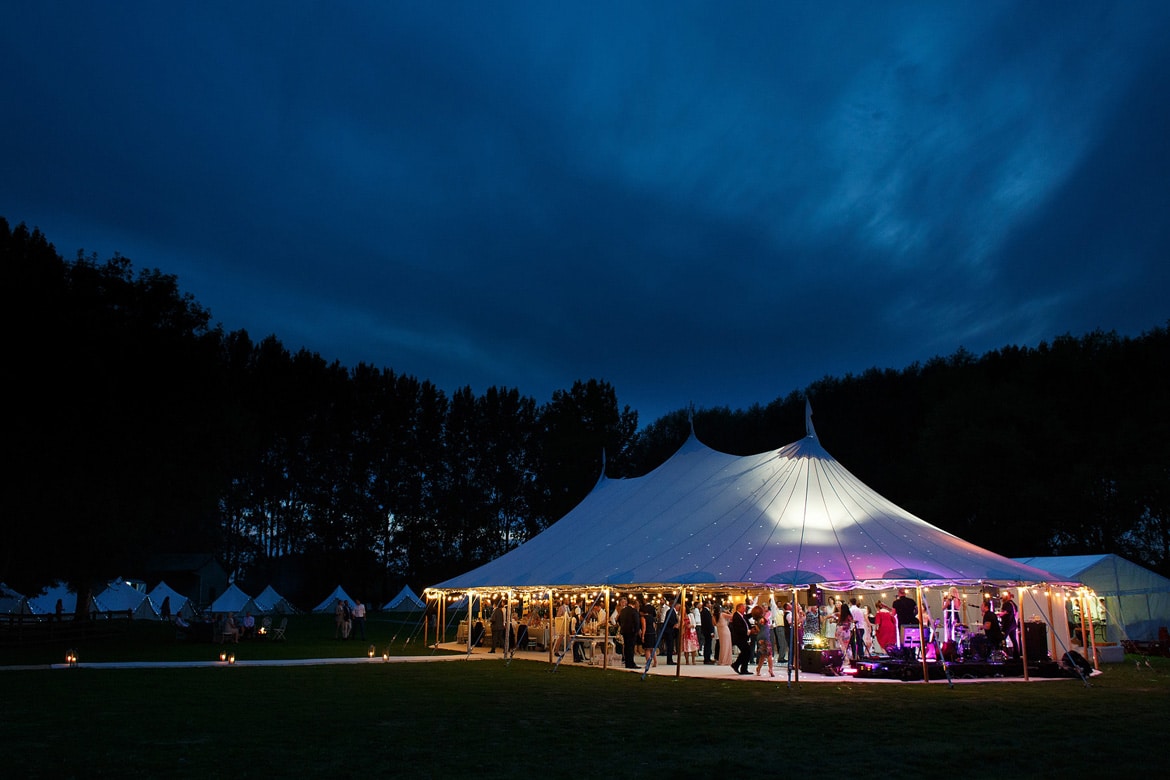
[{"x": 139, "y": 427}]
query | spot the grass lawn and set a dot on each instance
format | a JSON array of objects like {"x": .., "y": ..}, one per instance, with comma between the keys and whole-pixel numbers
[{"x": 489, "y": 719}]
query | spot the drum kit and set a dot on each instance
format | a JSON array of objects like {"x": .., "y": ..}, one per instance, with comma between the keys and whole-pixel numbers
[{"x": 976, "y": 647}]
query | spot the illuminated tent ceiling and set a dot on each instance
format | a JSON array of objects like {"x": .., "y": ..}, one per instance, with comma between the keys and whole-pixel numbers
[{"x": 787, "y": 518}]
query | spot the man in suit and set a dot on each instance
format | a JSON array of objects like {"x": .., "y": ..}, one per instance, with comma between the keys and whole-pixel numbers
[
  {"x": 630, "y": 624},
  {"x": 707, "y": 631},
  {"x": 669, "y": 633},
  {"x": 741, "y": 638}
]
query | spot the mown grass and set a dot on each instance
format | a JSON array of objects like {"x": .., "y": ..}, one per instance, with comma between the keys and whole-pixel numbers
[{"x": 491, "y": 719}]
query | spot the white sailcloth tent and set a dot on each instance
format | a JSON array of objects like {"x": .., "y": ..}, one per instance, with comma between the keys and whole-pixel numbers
[
  {"x": 330, "y": 602},
  {"x": 1137, "y": 600},
  {"x": 45, "y": 602},
  {"x": 269, "y": 602},
  {"x": 406, "y": 600},
  {"x": 179, "y": 604},
  {"x": 788, "y": 518},
  {"x": 233, "y": 600},
  {"x": 12, "y": 602},
  {"x": 119, "y": 599}
]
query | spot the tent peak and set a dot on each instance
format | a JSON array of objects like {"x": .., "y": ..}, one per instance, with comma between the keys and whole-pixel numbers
[{"x": 809, "y": 430}]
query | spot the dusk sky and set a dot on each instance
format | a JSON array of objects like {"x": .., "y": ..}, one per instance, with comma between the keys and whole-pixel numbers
[{"x": 705, "y": 203}]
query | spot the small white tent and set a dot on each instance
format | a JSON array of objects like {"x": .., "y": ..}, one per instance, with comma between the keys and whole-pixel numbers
[
  {"x": 330, "y": 602},
  {"x": 120, "y": 599},
  {"x": 406, "y": 601},
  {"x": 45, "y": 603},
  {"x": 12, "y": 603},
  {"x": 269, "y": 602},
  {"x": 1137, "y": 600},
  {"x": 179, "y": 604},
  {"x": 235, "y": 601}
]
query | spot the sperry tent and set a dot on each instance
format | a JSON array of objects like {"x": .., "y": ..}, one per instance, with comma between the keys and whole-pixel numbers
[
  {"x": 269, "y": 602},
  {"x": 1137, "y": 600},
  {"x": 792, "y": 517},
  {"x": 330, "y": 602},
  {"x": 406, "y": 600},
  {"x": 788, "y": 519},
  {"x": 235, "y": 601}
]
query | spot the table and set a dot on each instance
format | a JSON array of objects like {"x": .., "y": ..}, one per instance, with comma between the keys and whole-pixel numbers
[{"x": 589, "y": 645}]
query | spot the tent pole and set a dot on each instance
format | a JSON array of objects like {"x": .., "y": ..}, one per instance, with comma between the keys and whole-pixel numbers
[
  {"x": 508, "y": 625},
  {"x": 1051, "y": 624},
  {"x": 1092, "y": 638},
  {"x": 605, "y": 634},
  {"x": 922, "y": 634},
  {"x": 550, "y": 626},
  {"x": 797, "y": 634},
  {"x": 470, "y": 627},
  {"x": 682, "y": 604},
  {"x": 1085, "y": 640},
  {"x": 1022, "y": 628}
]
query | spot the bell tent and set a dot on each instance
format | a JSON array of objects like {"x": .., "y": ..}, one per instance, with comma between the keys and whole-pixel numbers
[
  {"x": 406, "y": 601},
  {"x": 269, "y": 602},
  {"x": 330, "y": 602},
  {"x": 235, "y": 601},
  {"x": 178, "y": 604},
  {"x": 120, "y": 599}
]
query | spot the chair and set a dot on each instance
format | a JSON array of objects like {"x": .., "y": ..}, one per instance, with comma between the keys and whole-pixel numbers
[{"x": 278, "y": 631}]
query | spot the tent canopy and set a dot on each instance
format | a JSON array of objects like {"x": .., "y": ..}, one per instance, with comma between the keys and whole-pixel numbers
[
  {"x": 330, "y": 602},
  {"x": 791, "y": 517},
  {"x": 1137, "y": 600},
  {"x": 406, "y": 599},
  {"x": 235, "y": 601}
]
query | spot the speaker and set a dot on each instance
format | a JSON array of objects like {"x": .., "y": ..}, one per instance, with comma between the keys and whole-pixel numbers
[
  {"x": 823, "y": 661},
  {"x": 1036, "y": 641}
]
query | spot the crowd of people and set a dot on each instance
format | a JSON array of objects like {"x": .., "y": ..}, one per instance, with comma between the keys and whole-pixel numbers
[{"x": 645, "y": 631}]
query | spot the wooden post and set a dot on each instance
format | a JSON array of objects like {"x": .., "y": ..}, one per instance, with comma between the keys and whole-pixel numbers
[
  {"x": 1084, "y": 636},
  {"x": 922, "y": 634},
  {"x": 1092, "y": 637},
  {"x": 1022, "y": 638},
  {"x": 605, "y": 633},
  {"x": 797, "y": 635}
]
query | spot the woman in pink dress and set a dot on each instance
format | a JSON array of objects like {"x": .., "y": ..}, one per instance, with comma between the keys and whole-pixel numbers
[
  {"x": 887, "y": 626},
  {"x": 690, "y": 639}
]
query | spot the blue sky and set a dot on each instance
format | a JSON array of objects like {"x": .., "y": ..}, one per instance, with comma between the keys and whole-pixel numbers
[{"x": 699, "y": 203}]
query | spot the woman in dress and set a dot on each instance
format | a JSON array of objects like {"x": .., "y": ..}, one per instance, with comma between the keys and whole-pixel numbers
[
  {"x": 764, "y": 646},
  {"x": 887, "y": 626},
  {"x": 844, "y": 629},
  {"x": 723, "y": 634},
  {"x": 649, "y": 631},
  {"x": 690, "y": 639}
]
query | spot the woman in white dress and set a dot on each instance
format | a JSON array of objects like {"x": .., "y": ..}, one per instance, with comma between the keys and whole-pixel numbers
[{"x": 723, "y": 635}]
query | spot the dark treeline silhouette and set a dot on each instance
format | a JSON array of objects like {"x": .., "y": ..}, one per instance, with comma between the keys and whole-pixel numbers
[{"x": 137, "y": 427}]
